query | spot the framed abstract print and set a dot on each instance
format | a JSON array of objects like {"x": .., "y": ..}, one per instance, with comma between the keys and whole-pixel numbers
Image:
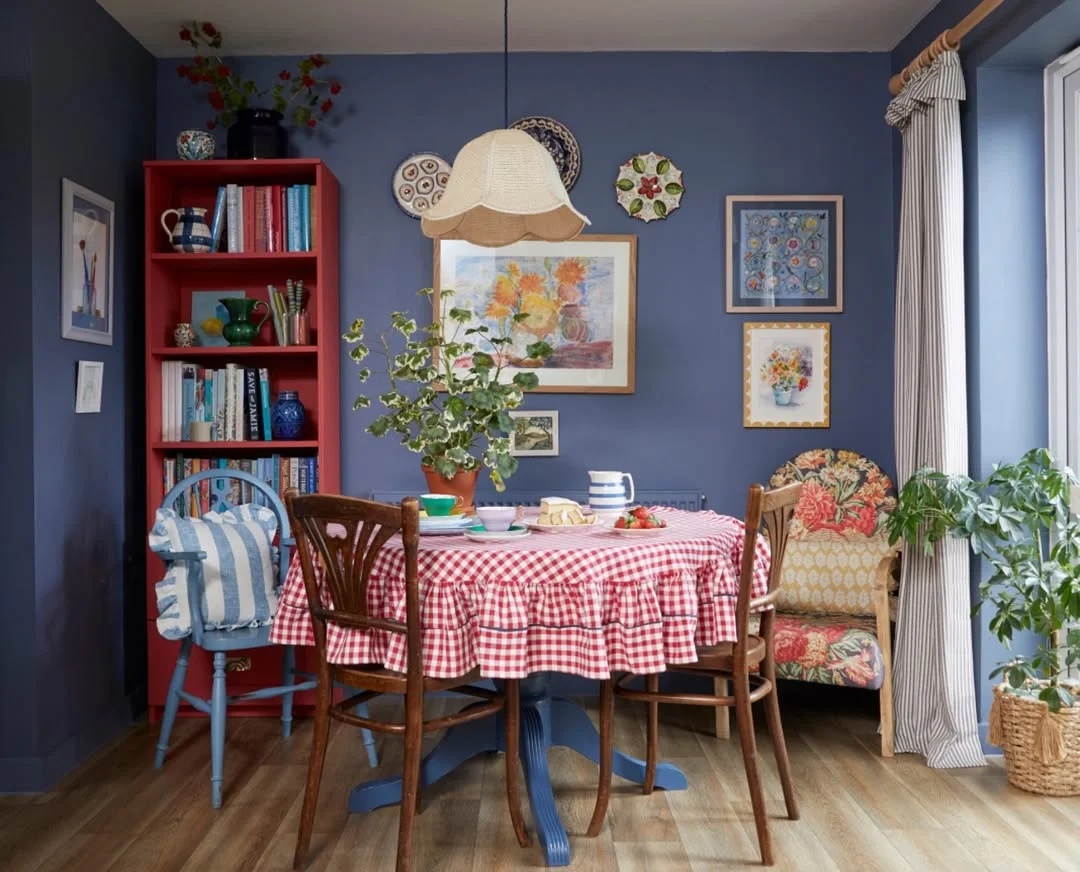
[
  {"x": 578, "y": 296},
  {"x": 86, "y": 272},
  {"x": 785, "y": 253},
  {"x": 785, "y": 375}
]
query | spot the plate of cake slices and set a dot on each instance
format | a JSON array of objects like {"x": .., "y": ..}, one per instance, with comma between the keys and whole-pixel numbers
[{"x": 559, "y": 514}]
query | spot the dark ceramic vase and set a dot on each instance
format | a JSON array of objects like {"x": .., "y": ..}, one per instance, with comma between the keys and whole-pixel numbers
[
  {"x": 257, "y": 133},
  {"x": 287, "y": 416}
]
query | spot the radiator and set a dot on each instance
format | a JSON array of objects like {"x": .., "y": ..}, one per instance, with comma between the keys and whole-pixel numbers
[{"x": 687, "y": 500}]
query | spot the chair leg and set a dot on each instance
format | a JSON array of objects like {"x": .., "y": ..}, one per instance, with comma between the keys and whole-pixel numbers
[
  {"x": 776, "y": 734},
  {"x": 652, "y": 685},
  {"x": 744, "y": 718},
  {"x": 603, "y": 792},
  {"x": 723, "y": 712},
  {"x": 887, "y": 719},
  {"x": 319, "y": 737},
  {"x": 288, "y": 678},
  {"x": 361, "y": 711},
  {"x": 512, "y": 720},
  {"x": 410, "y": 777},
  {"x": 172, "y": 702},
  {"x": 217, "y": 730}
]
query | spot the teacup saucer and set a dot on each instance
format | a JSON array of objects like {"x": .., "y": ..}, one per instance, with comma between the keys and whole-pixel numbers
[{"x": 479, "y": 534}]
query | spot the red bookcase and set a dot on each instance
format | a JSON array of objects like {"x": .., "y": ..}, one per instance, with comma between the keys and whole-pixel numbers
[{"x": 312, "y": 370}]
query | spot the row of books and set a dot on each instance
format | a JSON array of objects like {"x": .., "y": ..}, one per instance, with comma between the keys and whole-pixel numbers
[
  {"x": 218, "y": 494},
  {"x": 235, "y": 401},
  {"x": 259, "y": 218}
]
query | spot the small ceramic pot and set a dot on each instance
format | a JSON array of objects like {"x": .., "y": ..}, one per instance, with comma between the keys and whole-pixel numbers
[
  {"x": 184, "y": 335},
  {"x": 195, "y": 145},
  {"x": 287, "y": 416}
]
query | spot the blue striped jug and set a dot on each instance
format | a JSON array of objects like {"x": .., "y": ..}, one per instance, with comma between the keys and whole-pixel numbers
[
  {"x": 607, "y": 495},
  {"x": 189, "y": 234}
]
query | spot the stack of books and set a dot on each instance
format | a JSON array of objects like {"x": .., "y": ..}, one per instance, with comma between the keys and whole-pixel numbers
[
  {"x": 218, "y": 494},
  {"x": 260, "y": 218},
  {"x": 235, "y": 401}
]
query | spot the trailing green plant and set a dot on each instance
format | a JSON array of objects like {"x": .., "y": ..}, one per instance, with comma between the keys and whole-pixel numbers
[
  {"x": 1018, "y": 521},
  {"x": 447, "y": 398}
]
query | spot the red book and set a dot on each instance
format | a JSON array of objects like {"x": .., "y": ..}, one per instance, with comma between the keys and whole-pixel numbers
[
  {"x": 260, "y": 220},
  {"x": 249, "y": 218},
  {"x": 268, "y": 219}
]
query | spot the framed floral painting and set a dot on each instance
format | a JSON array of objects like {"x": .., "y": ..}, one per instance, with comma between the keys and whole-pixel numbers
[
  {"x": 785, "y": 375},
  {"x": 578, "y": 296},
  {"x": 785, "y": 253}
]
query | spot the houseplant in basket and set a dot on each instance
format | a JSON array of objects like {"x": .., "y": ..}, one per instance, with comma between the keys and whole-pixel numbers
[
  {"x": 447, "y": 398},
  {"x": 1018, "y": 521},
  {"x": 253, "y": 114}
]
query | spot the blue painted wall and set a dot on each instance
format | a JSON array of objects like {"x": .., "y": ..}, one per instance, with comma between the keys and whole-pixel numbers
[
  {"x": 735, "y": 124},
  {"x": 91, "y": 120}
]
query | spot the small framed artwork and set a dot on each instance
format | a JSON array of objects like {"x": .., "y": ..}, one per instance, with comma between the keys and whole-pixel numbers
[
  {"x": 785, "y": 253},
  {"x": 88, "y": 386},
  {"x": 536, "y": 434},
  {"x": 86, "y": 276},
  {"x": 209, "y": 316},
  {"x": 785, "y": 375},
  {"x": 578, "y": 296}
]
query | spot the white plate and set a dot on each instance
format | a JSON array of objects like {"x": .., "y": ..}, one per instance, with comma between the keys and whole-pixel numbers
[
  {"x": 443, "y": 531},
  {"x": 489, "y": 536},
  {"x": 443, "y": 522},
  {"x": 640, "y": 532},
  {"x": 554, "y": 528}
]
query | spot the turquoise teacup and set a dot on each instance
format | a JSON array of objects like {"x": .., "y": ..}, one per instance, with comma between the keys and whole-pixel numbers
[{"x": 439, "y": 504}]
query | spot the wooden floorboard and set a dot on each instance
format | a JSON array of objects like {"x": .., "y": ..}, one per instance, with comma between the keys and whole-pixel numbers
[{"x": 859, "y": 811}]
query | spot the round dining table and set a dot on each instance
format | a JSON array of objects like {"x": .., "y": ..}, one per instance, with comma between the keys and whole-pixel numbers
[{"x": 586, "y": 601}]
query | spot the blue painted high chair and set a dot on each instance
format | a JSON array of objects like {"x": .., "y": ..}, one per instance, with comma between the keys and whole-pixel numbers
[{"x": 220, "y": 642}]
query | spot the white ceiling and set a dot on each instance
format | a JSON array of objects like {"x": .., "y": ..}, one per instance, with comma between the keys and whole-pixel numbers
[{"x": 432, "y": 26}]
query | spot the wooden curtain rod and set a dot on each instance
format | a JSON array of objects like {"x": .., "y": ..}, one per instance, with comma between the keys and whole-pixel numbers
[{"x": 948, "y": 41}]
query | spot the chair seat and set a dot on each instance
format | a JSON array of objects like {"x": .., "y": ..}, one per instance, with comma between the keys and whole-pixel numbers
[
  {"x": 838, "y": 650},
  {"x": 236, "y": 640},
  {"x": 383, "y": 680}
]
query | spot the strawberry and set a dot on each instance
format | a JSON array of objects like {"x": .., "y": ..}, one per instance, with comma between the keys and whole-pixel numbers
[
  {"x": 620, "y": 524},
  {"x": 641, "y": 513},
  {"x": 636, "y": 524}
]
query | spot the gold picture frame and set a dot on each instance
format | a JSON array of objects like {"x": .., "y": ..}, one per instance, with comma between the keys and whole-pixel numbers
[
  {"x": 601, "y": 340},
  {"x": 825, "y": 245},
  {"x": 786, "y": 374}
]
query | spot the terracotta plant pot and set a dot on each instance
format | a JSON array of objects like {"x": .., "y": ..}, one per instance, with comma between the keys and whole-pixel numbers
[{"x": 463, "y": 485}]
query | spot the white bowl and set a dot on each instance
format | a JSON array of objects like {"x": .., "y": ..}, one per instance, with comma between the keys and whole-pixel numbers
[{"x": 496, "y": 519}]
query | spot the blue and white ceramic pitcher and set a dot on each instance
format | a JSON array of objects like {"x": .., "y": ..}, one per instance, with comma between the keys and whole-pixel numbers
[
  {"x": 189, "y": 234},
  {"x": 607, "y": 495}
]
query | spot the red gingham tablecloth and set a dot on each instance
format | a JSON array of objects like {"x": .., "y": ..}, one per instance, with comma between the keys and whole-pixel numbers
[{"x": 586, "y": 601}]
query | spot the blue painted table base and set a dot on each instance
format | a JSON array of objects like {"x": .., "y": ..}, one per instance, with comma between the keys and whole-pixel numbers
[{"x": 546, "y": 721}]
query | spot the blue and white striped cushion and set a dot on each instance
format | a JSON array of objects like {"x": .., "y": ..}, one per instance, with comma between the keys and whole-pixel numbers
[{"x": 238, "y": 574}]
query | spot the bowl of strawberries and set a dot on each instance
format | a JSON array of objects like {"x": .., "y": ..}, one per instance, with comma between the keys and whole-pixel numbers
[{"x": 639, "y": 521}]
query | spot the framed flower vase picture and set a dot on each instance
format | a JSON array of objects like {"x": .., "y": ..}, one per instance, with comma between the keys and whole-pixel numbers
[
  {"x": 86, "y": 274},
  {"x": 785, "y": 253},
  {"x": 577, "y": 296},
  {"x": 785, "y": 375}
]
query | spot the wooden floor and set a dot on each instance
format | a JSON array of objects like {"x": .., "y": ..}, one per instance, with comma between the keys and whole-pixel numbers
[{"x": 859, "y": 812}]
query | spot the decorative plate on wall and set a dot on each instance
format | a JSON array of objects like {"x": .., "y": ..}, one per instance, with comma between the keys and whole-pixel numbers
[
  {"x": 649, "y": 186},
  {"x": 419, "y": 182},
  {"x": 560, "y": 143}
]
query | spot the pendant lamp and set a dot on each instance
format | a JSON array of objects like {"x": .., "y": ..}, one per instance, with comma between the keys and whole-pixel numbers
[{"x": 503, "y": 187}]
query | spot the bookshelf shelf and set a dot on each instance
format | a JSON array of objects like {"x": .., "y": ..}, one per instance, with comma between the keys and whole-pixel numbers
[
  {"x": 172, "y": 280},
  {"x": 229, "y": 351}
]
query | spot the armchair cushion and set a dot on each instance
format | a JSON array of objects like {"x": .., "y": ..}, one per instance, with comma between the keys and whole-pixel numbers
[
  {"x": 238, "y": 579},
  {"x": 826, "y": 573},
  {"x": 838, "y": 651}
]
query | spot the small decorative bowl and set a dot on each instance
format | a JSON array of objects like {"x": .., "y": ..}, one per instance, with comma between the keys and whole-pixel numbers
[{"x": 195, "y": 145}]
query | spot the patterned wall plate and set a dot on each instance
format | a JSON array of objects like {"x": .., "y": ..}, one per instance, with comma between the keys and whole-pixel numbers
[
  {"x": 649, "y": 186},
  {"x": 419, "y": 182},
  {"x": 560, "y": 143}
]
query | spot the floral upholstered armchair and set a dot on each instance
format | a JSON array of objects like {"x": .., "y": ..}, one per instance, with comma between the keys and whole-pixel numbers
[{"x": 837, "y": 592}]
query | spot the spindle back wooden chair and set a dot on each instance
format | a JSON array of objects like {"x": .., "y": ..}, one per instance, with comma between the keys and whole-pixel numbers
[
  {"x": 748, "y": 663},
  {"x": 346, "y": 536}
]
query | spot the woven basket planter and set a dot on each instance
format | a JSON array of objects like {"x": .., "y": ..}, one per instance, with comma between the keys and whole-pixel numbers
[{"x": 1042, "y": 750}]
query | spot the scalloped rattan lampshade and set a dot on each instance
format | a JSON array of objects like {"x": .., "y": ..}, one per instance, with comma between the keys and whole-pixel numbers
[{"x": 504, "y": 186}]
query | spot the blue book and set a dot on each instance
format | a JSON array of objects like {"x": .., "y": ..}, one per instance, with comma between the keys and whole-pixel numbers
[
  {"x": 264, "y": 397},
  {"x": 294, "y": 218},
  {"x": 218, "y": 223},
  {"x": 305, "y": 217},
  {"x": 311, "y": 475},
  {"x": 187, "y": 400},
  {"x": 275, "y": 462}
]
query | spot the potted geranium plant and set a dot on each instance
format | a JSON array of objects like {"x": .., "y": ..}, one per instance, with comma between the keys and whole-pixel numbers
[
  {"x": 253, "y": 114},
  {"x": 447, "y": 399},
  {"x": 1018, "y": 521}
]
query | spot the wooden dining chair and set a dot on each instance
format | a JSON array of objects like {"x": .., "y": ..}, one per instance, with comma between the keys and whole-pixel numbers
[
  {"x": 748, "y": 664},
  {"x": 346, "y": 536}
]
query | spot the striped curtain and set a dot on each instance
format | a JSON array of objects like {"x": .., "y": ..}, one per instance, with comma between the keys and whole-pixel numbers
[{"x": 933, "y": 672}]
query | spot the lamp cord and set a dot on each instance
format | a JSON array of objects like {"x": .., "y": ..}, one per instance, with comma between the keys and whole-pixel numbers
[{"x": 506, "y": 63}]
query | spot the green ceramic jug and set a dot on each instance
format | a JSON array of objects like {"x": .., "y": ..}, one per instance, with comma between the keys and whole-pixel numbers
[{"x": 240, "y": 330}]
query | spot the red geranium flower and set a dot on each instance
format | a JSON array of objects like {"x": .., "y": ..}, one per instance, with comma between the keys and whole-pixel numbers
[
  {"x": 224, "y": 71},
  {"x": 284, "y": 75},
  {"x": 185, "y": 34},
  {"x": 650, "y": 186},
  {"x": 209, "y": 29},
  {"x": 309, "y": 81},
  {"x": 312, "y": 122},
  {"x": 211, "y": 124},
  {"x": 335, "y": 88},
  {"x": 326, "y": 105},
  {"x": 216, "y": 100},
  {"x": 183, "y": 70},
  {"x": 318, "y": 60}
]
